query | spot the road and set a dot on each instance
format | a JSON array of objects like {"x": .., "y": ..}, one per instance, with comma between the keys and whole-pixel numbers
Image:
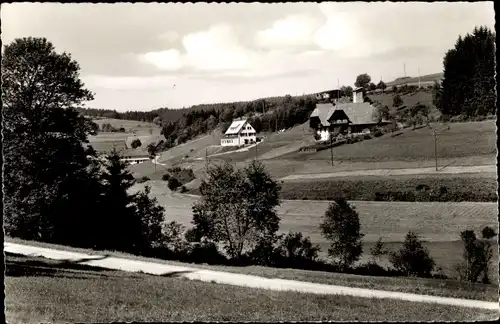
[
  {"x": 237, "y": 279},
  {"x": 395, "y": 172}
]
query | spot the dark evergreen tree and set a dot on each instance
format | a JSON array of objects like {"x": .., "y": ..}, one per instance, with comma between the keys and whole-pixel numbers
[{"x": 469, "y": 75}]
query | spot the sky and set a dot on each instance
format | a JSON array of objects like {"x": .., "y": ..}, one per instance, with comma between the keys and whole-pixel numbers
[{"x": 147, "y": 56}]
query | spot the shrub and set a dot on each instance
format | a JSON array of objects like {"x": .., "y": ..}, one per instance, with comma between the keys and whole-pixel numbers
[
  {"x": 165, "y": 177},
  {"x": 341, "y": 226},
  {"x": 378, "y": 249},
  {"x": 136, "y": 143},
  {"x": 206, "y": 253},
  {"x": 296, "y": 249},
  {"x": 488, "y": 232},
  {"x": 476, "y": 256},
  {"x": 192, "y": 235},
  {"x": 367, "y": 136},
  {"x": 173, "y": 237},
  {"x": 143, "y": 179},
  {"x": 413, "y": 258},
  {"x": 378, "y": 133},
  {"x": 173, "y": 183}
]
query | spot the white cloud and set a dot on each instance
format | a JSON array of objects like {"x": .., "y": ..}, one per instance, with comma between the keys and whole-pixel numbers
[
  {"x": 215, "y": 49},
  {"x": 169, "y": 60},
  {"x": 292, "y": 31},
  {"x": 170, "y": 36}
]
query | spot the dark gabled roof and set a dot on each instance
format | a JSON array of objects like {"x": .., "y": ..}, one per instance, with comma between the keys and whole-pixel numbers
[
  {"x": 358, "y": 113},
  {"x": 323, "y": 111}
]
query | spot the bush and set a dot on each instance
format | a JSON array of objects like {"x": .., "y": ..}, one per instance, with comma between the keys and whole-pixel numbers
[
  {"x": 143, "y": 179},
  {"x": 173, "y": 183},
  {"x": 206, "y": 253},
  {"x": 173, "y": 237},
  {"x": 341, "y": 226},
  {"x": 378, "y": 249},
  {"x": 488, "y": 232},
  {"x": 378, "y": 133},
  {"x": 367, "y": 136},
  {"x": 165, "y": 177},
  {"x": 136, "y": 143},
  {"x": 413, "y": 258},
  {"x": 295, "y": 249},
  {"x": 477, "y": 256}
]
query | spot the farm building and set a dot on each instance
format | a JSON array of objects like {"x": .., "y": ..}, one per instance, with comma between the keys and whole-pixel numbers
[
  {"x": 134, "y": 156},
  {"x": 344, "y": 118},
  {"x": 239, "y": 133}
]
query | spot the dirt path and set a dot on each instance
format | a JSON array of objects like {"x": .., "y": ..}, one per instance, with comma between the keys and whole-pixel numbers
[
  {"x": 237, "y": 279},
  {"x": 394, "y": 172}
]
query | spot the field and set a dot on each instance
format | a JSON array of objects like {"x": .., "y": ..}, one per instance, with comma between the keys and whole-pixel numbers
[
  {"x": 105, "y": 141},
  {"x": 439, "y": 224},
  {"x": 423, "y": 96},
  {"x": 40, "y": 290},
  {"x": 461, "y": 140},
  {"x": 424, "y": 78},
  {"x": 460, "y": 187}
]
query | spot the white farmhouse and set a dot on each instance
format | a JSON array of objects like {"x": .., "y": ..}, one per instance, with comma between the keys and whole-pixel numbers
[{"x": 239, "y": 133}]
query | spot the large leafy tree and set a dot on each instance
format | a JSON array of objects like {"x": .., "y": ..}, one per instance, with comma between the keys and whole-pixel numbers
[
  {"x": 363, "y": 81},
  {"x": 468, "y": 86},
  {"x": 342, "y": 228},
  {"x": 237, "y": 208},
  {"x": 44, "y": 140}
]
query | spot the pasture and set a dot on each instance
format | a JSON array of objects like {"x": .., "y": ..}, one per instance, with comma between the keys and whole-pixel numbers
[
  {"x": 41, "y": 290},
  {"x": 437, "y": 223},
  {"x": 461, "y": 140},
  {"x": 460, "y": 187}
]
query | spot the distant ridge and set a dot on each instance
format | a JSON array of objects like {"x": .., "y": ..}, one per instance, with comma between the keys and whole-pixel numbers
[{"x": 424, "y": 79}]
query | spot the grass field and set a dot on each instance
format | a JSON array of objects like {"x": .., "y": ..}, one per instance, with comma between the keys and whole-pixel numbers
[
  {"x": 461, "y": 187},
  {"x": 37, "y": 290},
  {"x": 105, "y": 141},
  {"x": 439, "y": 224},
  {"x": 424, "y": 78},
  {"x": 461, "y": 140}
]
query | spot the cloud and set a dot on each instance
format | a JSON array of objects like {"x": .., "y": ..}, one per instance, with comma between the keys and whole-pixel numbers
[
  {"x": 292, "y": 31},
  {"x": 169, "y": 60},
  {"x": 170, "y": 36},
  {"x": 215, "y": 49}
]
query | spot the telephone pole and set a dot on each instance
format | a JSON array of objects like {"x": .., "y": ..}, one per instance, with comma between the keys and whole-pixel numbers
[
  {"x": 435, "y": 148},
  {"x": 419, "y": 78},
  {"x": 331, "y": 148}
]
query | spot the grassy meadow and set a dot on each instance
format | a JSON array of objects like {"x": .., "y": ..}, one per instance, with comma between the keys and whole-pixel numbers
[
  {"x": 461, "y": 140},
  {"x": 40, "y": 290},
  {"x": 461, "y": 187},
  {"x": 106, "y": 141}
]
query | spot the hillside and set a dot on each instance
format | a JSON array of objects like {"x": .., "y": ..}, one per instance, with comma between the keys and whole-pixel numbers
[{"x": 424, "y": 79}]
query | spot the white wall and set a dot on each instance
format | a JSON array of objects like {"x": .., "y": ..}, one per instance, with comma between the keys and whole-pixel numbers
[
  {"x": 357, "y": 97},
  {"x": 324, "y": 134}
]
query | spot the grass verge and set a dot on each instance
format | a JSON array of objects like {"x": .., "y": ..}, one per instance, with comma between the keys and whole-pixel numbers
[
  {"x": 435, "y": 287},
  {"x": 109, "y": 296}
]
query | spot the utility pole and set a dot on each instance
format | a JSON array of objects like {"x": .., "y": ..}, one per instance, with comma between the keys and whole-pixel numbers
[
  {"x": 331, "y": 148},
  {"x": 404, "y": 69},
  {"x": 419, "y": 78},
  {"x": 435, "y": 148},
  {"x": 256, "y": 152}
]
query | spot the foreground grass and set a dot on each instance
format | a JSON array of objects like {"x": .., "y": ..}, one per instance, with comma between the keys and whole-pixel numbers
[
  {"x": 435, "y": 287},
  {"x": 462, "y": 187},
  {"x": 72, "y": 295}
]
